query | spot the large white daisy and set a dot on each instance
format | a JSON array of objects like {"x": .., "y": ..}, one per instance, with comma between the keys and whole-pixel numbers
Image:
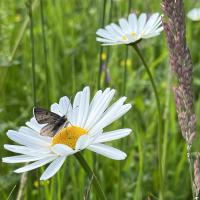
[
  {"x": 131, "y": 30},
  {"x": 85, "y": 131},
  {"x": 194, "y": 14}
]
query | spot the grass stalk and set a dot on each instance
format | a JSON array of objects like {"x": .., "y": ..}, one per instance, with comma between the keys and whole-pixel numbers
[
  {"x": 108, "y": 48},
  {"x": 95, "y": 159},
  {"x": 23, "y": 180},
  {"x": 91, "y": 175},
  {"x": 32, "y": 41},
  {"x": 101, "y": 47},
  {"x": 166, "y": 126},
  {"x": 45, "y": 50},
  {"x": 59, "y": 184},
  {"x": 22, "y": 186},
  {"x": 124, "y": 94},
  {"x": 22, "y": 31},
  {"x": 139, "y": 192}
]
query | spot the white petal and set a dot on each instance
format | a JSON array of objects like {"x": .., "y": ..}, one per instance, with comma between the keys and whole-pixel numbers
[
  {"x": 26, "y": 150},
  {"x": 23, "y": 158},
  {"x": 117, "y": 29},
  {"x": 82, "y": 142},
  {"x": 31, "y": 132},
  {"x": 83, "y": 107},
  {"x": 112, "y": 135},
  {"x": 76, "y": 108},
  {"x": 53, "y": 168},
  {"x": 35, "y": 165},
  {"x": 28, "y": 131},
  {"x": 98, "y": 108},
  {"x": 33, "y": 124},
  {"x": 116, "y": 105},
  {"x": 153, "y": 18},
  {"x": 124, "y": 109},
  {"x": 104, "y": 40},
  {"x": 62, "y": 150},
  {"x": 116, "y": 43},
  {"x": 107, "y": 151},
  {"x": 141, "y": 22},
  {"x": 158, "y": 27},
  {"x": 113, "y": 113},
  {"x": 154, "y": 27},
  {"x": 105, "y": 34},
  {"x": 55, "y": 108},
  {"x": 116, "y": 33},
  {"x": 132, "y": 19},
  {"x": 95, "y": 99},
  {"x": 124, "y": 25},
  {"x": 27, "y": 140},
  {"x": 151, "y": 35},
  {"x": 65, "y": 105}
]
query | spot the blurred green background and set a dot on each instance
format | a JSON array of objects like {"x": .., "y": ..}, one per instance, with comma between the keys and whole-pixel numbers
[{"x": 71, "y": 62}]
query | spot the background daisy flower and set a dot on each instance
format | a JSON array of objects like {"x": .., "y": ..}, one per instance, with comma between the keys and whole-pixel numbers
[
  {"x": 194, "y": 14},
  {"x": 130, "y": 30},
  {"x": 85, "y": 131}
]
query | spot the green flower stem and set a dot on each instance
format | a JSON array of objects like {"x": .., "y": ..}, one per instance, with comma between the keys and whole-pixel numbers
[
  {"x": 151, "y": 79},
  {"x": 91, "y": 174},
  {"x": 159, "y": 139}
]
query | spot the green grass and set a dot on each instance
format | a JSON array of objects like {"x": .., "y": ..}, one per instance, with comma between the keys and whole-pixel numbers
[{"x": 72, "y": 63}]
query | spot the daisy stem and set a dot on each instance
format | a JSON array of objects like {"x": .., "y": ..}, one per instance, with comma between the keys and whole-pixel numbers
[
  {"x": 159, "y": 139},
  {"x": 152, "y": 82},
  {"x": 91, "y": 174}
]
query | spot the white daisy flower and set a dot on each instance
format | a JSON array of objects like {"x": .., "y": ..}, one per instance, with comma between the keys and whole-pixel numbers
[
  {"x": 85, "y": 131},
  {"x": 131, "y": 30},
  {"x": 194, "y": 14}
]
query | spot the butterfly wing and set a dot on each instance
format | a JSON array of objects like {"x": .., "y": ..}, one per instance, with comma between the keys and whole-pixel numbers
[
  {"x": 51, "y": 129},
  {"x": 44, "y": 116},
  {"x": 48, "y": 130},
  {"x": 53, "y": 121}
]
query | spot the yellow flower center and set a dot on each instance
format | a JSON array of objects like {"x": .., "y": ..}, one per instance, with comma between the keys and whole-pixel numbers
[
  {"x": 124, "y": 37},
  {"x": 69, "y": 136},
  {"x": 133, "y": 34}
]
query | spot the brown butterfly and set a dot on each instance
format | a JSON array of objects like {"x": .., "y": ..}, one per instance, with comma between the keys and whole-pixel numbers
[{"x": 54, "y": 121}]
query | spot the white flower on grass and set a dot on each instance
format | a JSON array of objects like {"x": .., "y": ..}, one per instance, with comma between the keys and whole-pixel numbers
[
  {"x": 131, "y": 30},
  {"x": 85, "y": 131},
  {"x": 194, "y": 14}
]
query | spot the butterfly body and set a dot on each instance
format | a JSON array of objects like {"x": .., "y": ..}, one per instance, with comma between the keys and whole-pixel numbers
[{"x": 53, "y": 121}]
